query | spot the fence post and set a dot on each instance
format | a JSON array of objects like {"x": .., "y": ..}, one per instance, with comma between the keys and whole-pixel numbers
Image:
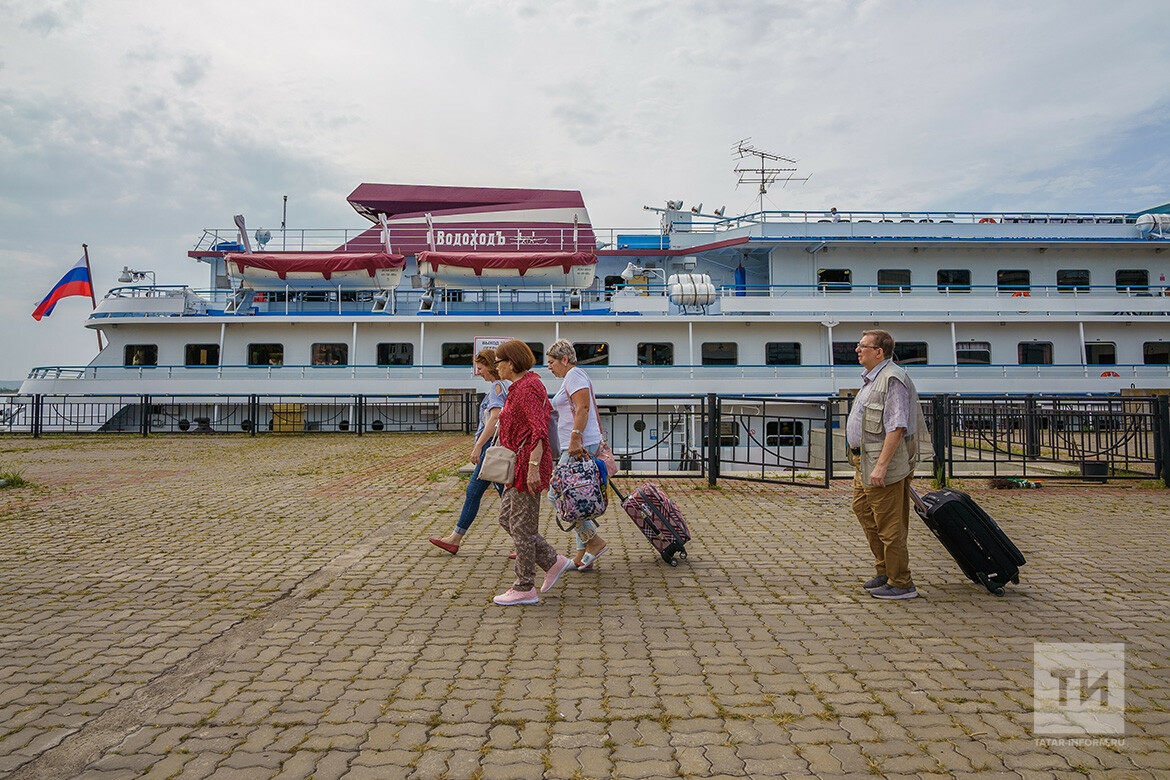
[
  {"x": 38, "y": 411},
  {"x": 254, "y": 413},
  {"x": 145, "y": 416},
  {"x": 1162, "y": 436},
  {"x": 1031, "y": 429},
  {"x": 360, "y": 413},
  {"x": 712, "y": 439},
  {"x": 940, "y": 434},
  {"x": 469, "y": 411},
  {"x": 829, "y": 402}
]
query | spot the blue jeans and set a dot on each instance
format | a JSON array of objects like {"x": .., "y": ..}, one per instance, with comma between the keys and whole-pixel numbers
[{"x": 475, "y": 490}]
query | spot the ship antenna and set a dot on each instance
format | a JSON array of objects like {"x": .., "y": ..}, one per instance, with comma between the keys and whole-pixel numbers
[{"x": 771, "y": 168}]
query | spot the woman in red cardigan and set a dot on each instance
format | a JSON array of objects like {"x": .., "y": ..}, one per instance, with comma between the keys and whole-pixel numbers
[{"x": 523, "y": 428}]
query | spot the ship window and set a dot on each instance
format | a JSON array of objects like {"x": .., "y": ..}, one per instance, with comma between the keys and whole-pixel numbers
[
  {"x": 1072, "y": 281},
  {"x": 537, "y": 348},
  {"x": 655, "y": 354},
  {"x": 910, "y": 353},
  {"x": 201, "y": 355},
  {"x": 845, "y": 353},
  {"x": 1133, "y": 281},
  {"x": 784, "y": 433},
  {"x": 720, "y": 353},
  {"x": 266, "y": 354},
  {"x": 330, "y": 354},
  {"x": 1156, "y": 353},
  {"x": 834, "y": 280},
  {"x": 894, "y": 280},
  {"x": 1013, "y": 280},
  {"x": 1100, "y": 353},
  {"x": 396, "y": 353},
  {"x": 955, "y": 280},
  {"x": 1035, "y": 353},
  {"x": 782, "y": 353},
  {"x": 141, "y": 354},
  {"x": 973, "y": 353},
  {"x": 458, "y": 353},
  {"x": 592, "y": 353}
]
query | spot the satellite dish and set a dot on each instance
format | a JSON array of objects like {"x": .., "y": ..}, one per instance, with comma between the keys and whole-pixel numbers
[{"x": 263, "y": 237}]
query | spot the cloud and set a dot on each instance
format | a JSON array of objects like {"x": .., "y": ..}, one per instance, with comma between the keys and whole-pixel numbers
[
  {"x": 191, "y": 71},
  {"x": 132, "y": 126}
]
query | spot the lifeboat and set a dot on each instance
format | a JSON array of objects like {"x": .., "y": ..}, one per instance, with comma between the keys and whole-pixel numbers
[
  {"x": 300, "y": 270},
  {"x": 508, "y": 269}
]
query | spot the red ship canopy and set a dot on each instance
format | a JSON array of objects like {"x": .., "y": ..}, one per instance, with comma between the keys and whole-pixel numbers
[
  {"x": 324, "y": 263},
  {"x": 517, "y": 261}
]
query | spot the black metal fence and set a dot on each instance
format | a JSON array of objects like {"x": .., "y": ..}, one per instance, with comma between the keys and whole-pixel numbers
[{"x": 798, "y": 441}]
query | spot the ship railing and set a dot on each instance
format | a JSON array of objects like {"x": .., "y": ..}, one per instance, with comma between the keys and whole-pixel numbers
[
  {"x": 895, "y": 290},
  {"x": 597, "y": 372},
  {"x": 584, "y": 238},
  {"x": 341, "y": 300},
  {"x": 403, "y": 239},
  {"x": 684, "y": 222}
]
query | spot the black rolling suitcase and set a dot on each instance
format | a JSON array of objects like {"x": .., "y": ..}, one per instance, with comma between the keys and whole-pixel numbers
[
  {"x": 984, "y": 552},
  {"x": 659, "y": 519}
]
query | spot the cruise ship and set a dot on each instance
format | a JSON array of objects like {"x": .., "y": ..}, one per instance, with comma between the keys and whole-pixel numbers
[{"x": 769, "y": 303}]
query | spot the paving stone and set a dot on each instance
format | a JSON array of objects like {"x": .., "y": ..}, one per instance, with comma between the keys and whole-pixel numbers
[{"x": 336, "y": 642}]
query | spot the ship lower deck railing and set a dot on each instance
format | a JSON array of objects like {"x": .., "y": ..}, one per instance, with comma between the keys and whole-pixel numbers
[
  {"x": 783, "y": 439},
  {"x": 298, "y": 373}
]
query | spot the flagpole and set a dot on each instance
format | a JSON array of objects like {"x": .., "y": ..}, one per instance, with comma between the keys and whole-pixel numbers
[{"x": 92, "y": 297}]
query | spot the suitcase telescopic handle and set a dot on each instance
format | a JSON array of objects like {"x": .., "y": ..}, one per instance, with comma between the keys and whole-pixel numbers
[{"x": 919, "y": 504}]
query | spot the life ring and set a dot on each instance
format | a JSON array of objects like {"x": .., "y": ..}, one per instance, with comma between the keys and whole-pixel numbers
[
  {"x": 1110, "y": 373},
  {"x": 1021, "y": 295},
  {"x": 985, "y": 220}
]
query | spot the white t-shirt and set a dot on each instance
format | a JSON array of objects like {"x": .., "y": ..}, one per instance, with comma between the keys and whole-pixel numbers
[{"x": 574, "y": 381}]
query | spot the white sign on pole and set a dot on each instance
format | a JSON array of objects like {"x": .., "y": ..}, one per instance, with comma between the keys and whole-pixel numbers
[{"x": 486, "y": 342}]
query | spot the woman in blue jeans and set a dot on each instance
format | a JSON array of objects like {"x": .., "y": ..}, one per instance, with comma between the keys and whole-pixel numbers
[{"x": 489, "y": 413}]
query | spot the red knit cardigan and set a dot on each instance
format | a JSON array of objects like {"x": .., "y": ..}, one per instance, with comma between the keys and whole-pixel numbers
[{"x": 524, "y": 422}]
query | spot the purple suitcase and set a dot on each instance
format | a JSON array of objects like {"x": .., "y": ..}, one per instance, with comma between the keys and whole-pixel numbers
[{"x": 657, "y": 516}]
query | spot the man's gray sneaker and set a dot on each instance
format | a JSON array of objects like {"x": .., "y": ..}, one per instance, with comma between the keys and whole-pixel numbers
[
  {"x": 890, "y": 592},
  {"x": 876, "y": 582}
]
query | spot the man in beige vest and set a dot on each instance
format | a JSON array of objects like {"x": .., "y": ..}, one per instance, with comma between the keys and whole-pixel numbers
[{"x": 882, "y": 436}]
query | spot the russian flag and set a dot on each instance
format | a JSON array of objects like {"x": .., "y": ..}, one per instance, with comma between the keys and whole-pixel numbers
[{"x": 75, "y": 282}]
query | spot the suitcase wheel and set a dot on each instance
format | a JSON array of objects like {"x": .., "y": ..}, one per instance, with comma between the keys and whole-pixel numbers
[
  {"x": 987, "y": 583},
  {"x": 683, "y": 555},
  {"x": 1016, "y": 580},
  {"x": 673, "y": 562}
]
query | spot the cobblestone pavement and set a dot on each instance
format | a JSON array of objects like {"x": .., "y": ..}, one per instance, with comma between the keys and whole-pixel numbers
[{"x": 233, "y": 607}]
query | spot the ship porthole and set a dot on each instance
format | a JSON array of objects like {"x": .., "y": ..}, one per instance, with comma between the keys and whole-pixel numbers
[
  {"x": 377, "y": 425},
  {"x": 639, "y": 425},
  {"x": 343, "y": 425},
  {"x": 246, "y": 425},
  {"x": 184, "y": 424}
]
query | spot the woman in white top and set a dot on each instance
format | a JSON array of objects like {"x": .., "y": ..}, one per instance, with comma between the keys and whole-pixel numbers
[{"x": 578, "y": 431}]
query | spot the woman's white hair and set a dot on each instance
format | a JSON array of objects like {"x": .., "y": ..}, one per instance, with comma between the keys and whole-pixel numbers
[{"x": 563, "y": 348}]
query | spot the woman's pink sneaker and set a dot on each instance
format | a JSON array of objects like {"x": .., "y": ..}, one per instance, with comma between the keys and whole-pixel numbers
[{"x": 517, "y": 597}]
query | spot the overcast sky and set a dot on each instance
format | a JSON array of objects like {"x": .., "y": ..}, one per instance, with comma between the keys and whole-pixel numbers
[{"x": 131, "y": 126}]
